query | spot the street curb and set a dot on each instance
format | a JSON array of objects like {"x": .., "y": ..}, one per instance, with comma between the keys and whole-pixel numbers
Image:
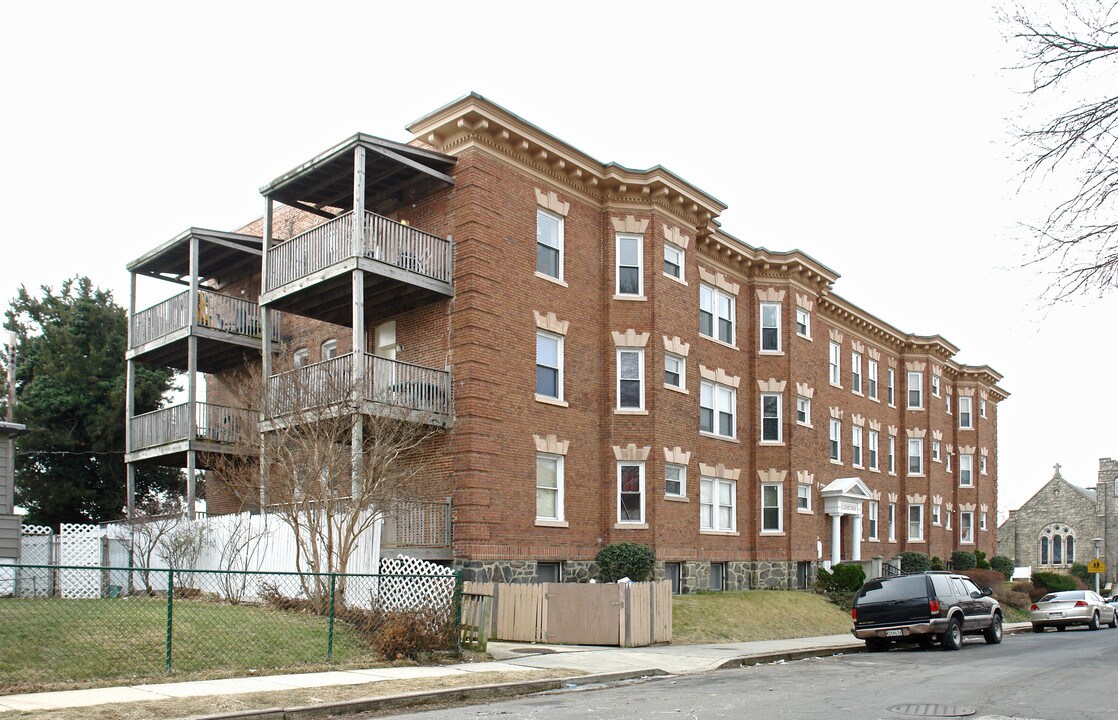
[
  {"x": 462, "y": 694},
  {"x": 788, "y": 656}
]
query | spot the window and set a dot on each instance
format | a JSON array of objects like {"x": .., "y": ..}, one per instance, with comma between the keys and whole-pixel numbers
[
  {"x": 836, "y": 440},
  {"x": 301, "y": 356},
  {"x": 965, "y": 413},
  {"x": 549, "y": 572},
  {"x": 716, "y": 409},
  {"x": 892, "y": 455},
  {"x": 935, "y": 451},
  {"x": 871, "y": 520},
  {"x": 717, "y": 576},
  {"x": 717, "y": 504},
  {"x": 948, "y": 516},
  {"x": 947, "y": 403},
  {"x": 770, "y": 327},
  {"x": 675, "y": 480},
  {"x": 630, "y": 379},
  {"x": 836, "y": 365},
  {"x": 873, "y": 449},
  {"x": 803, "y": 323},
  {"x": 935, "y": 385},
  {"x": 716, "y": 314},
  {"x": 856, "y": 442},
  {"x": 892, "y": 387},
  {"x": 803, "y": 497},
  {"x": 549, "y": 244},
  {"x": 982, "y": 521},
  {"x": 630, "y": 492},
  {"x": 630, "y": 265},
  {"x": 915, "y": 522},
  {"x": 916, "y": 390},
  {"x": 936, "y": 509},
  {"x": 982, "y": 464},
  {"x": 329, "y": 349},
  {"x": 982, "y": 407},
  {"x": 966, "y": 527},
  {"x": 549, "y": 365},
  {"x": 1044, "y": 551},
  {"x": 673, "y": 261},
  {"x": 771, "y": 507},
  {"x": 673, "y": 573},
  {"x": 675, "y": 371},
  {"x": 803, "y": 410},
  {"x": 966, "y": 468},
  {"x": 872, "y": 389},
  {"x": 892, "y": 522},
  {"x": 770, "y": 417},
  {"x": 915, "y": 456},
  {"x": 549, "y": 487},
  {"x": 947, "y": 464},
  {"x": 856, "y": 373}
]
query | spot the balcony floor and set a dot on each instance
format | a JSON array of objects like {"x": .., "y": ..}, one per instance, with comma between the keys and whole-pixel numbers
[
  {"x": 173, "y": 454},
  {"x": 217, "y": 350}
]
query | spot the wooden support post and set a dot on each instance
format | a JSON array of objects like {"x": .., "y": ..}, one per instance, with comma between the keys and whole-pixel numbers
[
  {"x": 357, "y": 457},
  {"x": 130, "y": 403},
  {"x": 265, "y": 347},
  {"x": 192, "y": 377}
]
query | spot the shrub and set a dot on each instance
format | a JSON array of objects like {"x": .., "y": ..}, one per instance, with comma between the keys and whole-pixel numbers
[
  {"x": 826, "y": 584},
  {"x": 1079, "y": 571},
  {"x": 980, "y": 560},
  {"x": 1054, "y": 582},
  {"x": 1002, "y": 592},
  {"x": 625, "y": 559},
  {"x": 848, "y": 577},
  {"x": 913, "y": 562},
  {"x": 937, "y": 563},
  {"x": 1003, "y": 565},
  {"x": 963, "y": 560},
  {"x": 414, "y": 634}
]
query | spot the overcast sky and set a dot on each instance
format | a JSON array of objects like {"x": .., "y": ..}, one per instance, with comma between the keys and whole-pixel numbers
[{"x": 874, "y": 136}]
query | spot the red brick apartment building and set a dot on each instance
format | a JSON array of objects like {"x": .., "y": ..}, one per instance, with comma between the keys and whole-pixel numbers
[{"x": 610, "y": 365}]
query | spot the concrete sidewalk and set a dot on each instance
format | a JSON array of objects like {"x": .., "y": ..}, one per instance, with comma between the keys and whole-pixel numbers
[{"x": 600, "y": 664}]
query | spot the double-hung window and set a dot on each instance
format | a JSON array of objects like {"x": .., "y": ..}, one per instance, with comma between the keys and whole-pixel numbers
[
  {"x": 935, "y": 451},
  {"x": 892, "y": 522},
  {"x": 916, "y": 522},
  {"x": 803, "y": 497},
  {"x": 675, "y": 480},
  {"x": 872, "y": 380},
  {"x": 982, "y": 521},
  {"x": 549, "y": 487},
  {"x": 716, "y": 314},
  {"x": 673, "y": 261},
  {"x": 965, "y": 420},
  {"x": 856, "y": 372},
  {"x": 892, "y": 455},
  {"x": 856, "y": 443},
  {"x": 549, "y": 365},
  {"x": 803, "y": 323},
  {"x": 836, "y": 364},
  {"x": 549, "y": 244},
  {"x": 630, "y": 265},
  {"x": 981, "y": 464},
  {"x": 966, "y": 527},
  {"x": 630, "y": 379},
  {"x": 717, "y": 501},
  {"x": 982, "y": 407},
  {"x": 772, "y": 510},
  {"x": 915, "y": 456},
  {"x": 871, "y": 520},
  {"x": 770, "y": 327},
  {"x": 803, "y": 410},
  {"x": 301, "y": 356},
  {"x": 329, "y": 349},
  {"x": 836, "y": 440},
  {"x": 966, "y": 469},
  {"x": 891, "y": 387},
  {"x": 935, "y": 384},
  {"x": 717, "y": 404},
  {"x": 675, "y": 371},
  {"x": 915, "y": 390},
  {"x": 630, "y": 492},
  {"x": 873, "y": 449},
  {"x": 936, "y": 508},
  {"x": 770, "y": 417}
]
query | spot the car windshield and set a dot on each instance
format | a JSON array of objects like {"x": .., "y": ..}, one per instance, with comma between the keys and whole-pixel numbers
[
  {"x": 897, "y": 588},
  {"x": 1066, "y": 595}
]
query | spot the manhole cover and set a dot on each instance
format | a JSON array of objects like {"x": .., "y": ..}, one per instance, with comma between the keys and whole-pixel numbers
[
  {"x": 930, "y": 710},
  {"x": 532, "y": 651}
]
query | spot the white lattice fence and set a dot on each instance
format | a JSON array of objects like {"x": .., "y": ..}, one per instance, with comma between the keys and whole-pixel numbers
[
  {"x": 435, "y": 591},
  {"x": 80, "y": 545},
  {"x": 36, "y": 547}
]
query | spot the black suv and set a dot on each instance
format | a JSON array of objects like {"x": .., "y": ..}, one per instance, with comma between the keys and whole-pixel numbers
[{"x": 924, "y": 608}]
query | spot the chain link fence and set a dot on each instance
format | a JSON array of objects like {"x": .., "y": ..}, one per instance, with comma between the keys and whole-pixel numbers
[{"x": 71, "y": 625}]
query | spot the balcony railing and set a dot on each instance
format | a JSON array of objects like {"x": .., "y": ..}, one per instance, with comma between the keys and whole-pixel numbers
[
  {"x": 215, "y": 311},
  {"x": 216, "y": 423},
  {"x": 387, "y": 382},
  {"x": 417, "y": 524},
  {"x": 384, "y": 240}
]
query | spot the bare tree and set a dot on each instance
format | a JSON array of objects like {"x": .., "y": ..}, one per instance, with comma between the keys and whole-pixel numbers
[
  {"x": 1072, "y": 61},
  {"x": 338, "y": 449},
  {"x": 154, "y": 521}
]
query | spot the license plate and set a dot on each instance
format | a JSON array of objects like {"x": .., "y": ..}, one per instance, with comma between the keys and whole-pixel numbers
[
  {"x": 1055, "y": 615},
  {"x": 894, "y": 633}
]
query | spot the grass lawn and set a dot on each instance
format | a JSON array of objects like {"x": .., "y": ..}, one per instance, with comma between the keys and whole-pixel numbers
[
  {"x": 54, "y": 643},
  {"x": 712, "y": 617}
]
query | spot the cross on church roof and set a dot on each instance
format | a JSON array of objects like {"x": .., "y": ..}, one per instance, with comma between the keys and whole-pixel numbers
[{"x": 1057, "y": 467}]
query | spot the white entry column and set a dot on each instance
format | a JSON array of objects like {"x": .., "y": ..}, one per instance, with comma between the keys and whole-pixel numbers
[
  {"x": 856, "y": 539},
  {"x": 836, "y": 538}
]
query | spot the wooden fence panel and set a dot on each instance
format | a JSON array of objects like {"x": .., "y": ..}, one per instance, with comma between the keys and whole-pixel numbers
[
  {"x": 637, "y": 615},
  {"x": 662, "y": 611},
  {"x": 584, "y": 614},
  {"x": 521, "y": 615}
]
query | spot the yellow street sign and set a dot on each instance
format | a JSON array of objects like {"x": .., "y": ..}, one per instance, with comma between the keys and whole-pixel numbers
[{"x": 1096, "y": 566}]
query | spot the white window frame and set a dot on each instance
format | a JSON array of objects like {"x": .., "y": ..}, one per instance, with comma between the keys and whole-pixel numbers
[
  {"x": 541, "y": 212},
  {"x": 856, "y": 446},
  {"x": 981, "y": 464},
  {"x": 300, "y": 357},
  {"x": 680, "y": 255},
  {"x": 892, "y": 455},
  {"x": 558, "y": 339},
  {"x": 919, "y": 537},
  {"x": 935, "y": 385},
  {"x": 762, "y": 327},
  {"x": 982, "y": 521},
  {"x": 966, "y": 527},
  {"x": 835, "y": 364},
  {"x": 617, "y": 266},
  {"x": 937, "y": 510},
  {"x": 892, "y": 522},
  {"x": 711, "y": 302},
  {"x": 835, "y": 437},
  {"x": 936, "y": 457},
  {"x": 777, "y": 492},
  {"x": 641, "y": 485},
  {"x": 915, "y": 384},
  {"x": 558, "y": 460},
  {"x": 966, "y": 470},
  {"x": 892, "y": 388},
  {"x": 871, "y": 519},
  {"x": 718, "y": 395},
  {"x": 767, "y": 421},
  {"x": 329, "y": 349},
  {"x": 874, "y": 443},
  {"x": 947, "y": 462},
  {"x": 982, "y": 407},
  {"x": 966, "y": 412},
  {"x": 710, "y": 503},
  {"x": 639, "y": 352},
  {"x": 681, "y": 478},
  {"x": 803, "y": 318},
  {"x": 803, "y": 407},
  {"x": 915, "y": 452},
  {"x": 871, "y": 380},
  {"x": 681, "y": 363},
  {"x": 856, "y": 373},
  {"x": 803, "y": 497}
]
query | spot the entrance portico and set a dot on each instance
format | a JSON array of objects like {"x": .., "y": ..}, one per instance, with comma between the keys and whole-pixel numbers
[{"x": 845, "y": 496}]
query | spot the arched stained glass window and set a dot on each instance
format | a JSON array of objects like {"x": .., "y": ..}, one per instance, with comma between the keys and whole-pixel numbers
[
  {"x": 1057, "y": 550},
  {"x": 1069, "y": 549},
  {"x": 1044, "y": 551}
]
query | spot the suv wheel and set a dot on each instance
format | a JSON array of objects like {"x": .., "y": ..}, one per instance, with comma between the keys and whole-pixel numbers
[
  {"x": 953, "y": 637},
  {"x": 993, "y": 634},
  {"x": 1094, "y": 624}
]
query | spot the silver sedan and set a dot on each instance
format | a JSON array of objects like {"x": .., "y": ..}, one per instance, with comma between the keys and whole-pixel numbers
[{"x": 1072, "y": 607}]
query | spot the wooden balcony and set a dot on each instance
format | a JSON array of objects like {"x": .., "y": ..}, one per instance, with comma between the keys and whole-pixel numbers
[
  {"x": 418, "y": 529},
  {"x": 227, "y": 328},
  {"x": 164, "y": 436},
  {"x": 404, "y": 267},
  {"x": 389, "y": 388}
]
